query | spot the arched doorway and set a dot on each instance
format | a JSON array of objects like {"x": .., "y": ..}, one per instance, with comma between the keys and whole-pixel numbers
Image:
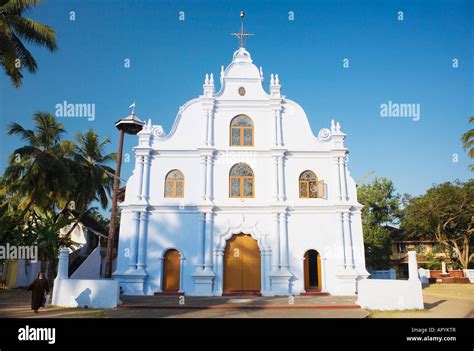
[
  {"x": 242, "y": 265},
  {"x": 312, "y": 271},
  {"x": 171, "y": 271}
]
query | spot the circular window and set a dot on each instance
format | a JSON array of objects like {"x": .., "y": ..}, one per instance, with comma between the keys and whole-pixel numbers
[{"x": 241, "y": 91}]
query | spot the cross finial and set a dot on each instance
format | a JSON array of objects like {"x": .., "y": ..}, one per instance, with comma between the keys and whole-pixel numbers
[
  {"x": 242, "y": 34},
  {"x": 132, "y": 106}
]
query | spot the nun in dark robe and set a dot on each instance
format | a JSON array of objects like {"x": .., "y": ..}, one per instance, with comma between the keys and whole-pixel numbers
[{"x": 39, "y": 289}]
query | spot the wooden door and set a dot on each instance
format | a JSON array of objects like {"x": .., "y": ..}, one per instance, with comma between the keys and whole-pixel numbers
[
  {"x": 242, "y": 270},
  {"x": 171, "y": 271}
]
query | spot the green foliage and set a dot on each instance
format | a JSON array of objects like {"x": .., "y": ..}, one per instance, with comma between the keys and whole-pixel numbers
[
  {"x": 381, "y": 211},
  {"x": 444, "y": 214},
  {"x": 468, "y": 142},
  {"x": 15, "y": 29},
  {"x": 377, "y": 246},
  {"x": 46, "y": 177},
  {"x": 433, "y": 262}
]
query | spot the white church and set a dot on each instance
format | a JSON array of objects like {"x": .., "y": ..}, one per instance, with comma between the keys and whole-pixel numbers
[{"x": 240, "y": 198}]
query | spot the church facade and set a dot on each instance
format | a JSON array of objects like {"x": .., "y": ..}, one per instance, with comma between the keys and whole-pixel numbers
[{"x": 240, "y": 197}]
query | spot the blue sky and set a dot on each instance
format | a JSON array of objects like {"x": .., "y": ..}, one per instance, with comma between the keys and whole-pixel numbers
[{"x": 407, "y": 61}]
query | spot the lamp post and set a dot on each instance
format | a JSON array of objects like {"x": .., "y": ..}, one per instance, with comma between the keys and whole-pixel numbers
[{"x": 130, "y": 125}]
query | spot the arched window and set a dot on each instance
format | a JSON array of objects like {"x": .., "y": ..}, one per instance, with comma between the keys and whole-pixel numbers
[
  {"x": 309, "y": 185},
  {"x": 241, "y": 181},
  {"x": 174, "y": 184},
  {"x": 241, "y": 131}
]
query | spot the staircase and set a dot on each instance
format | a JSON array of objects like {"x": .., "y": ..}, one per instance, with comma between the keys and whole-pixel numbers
[{"x": 314, "y": 292}]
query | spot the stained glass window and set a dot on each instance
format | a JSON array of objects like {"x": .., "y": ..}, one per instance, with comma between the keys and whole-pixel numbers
[
  {"x": 248, "y": 187},
  {"x": 241, "y": 181},
  {"x": 308, "y": 185},
  {"x": 174, "y": 184},
  {"x": 235, "y": 187},
  {"x": 241, "y": 131}
]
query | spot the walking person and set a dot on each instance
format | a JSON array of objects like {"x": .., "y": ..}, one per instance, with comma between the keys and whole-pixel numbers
[{"x": 39, "y": 289}]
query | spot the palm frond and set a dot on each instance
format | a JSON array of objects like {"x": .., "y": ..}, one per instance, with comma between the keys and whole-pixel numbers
[
  {"x": 27, "y": 60},
  {"x": 34, "y": 32},
  {"x": 17, "y": 7},
  {"x": 25, "y": 134}
]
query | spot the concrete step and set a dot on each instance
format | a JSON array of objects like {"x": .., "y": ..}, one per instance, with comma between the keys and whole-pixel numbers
[{"x": 309, "y": 302}]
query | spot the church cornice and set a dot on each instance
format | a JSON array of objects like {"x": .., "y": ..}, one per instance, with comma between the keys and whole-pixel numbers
[{"x": 253, "y": 209}]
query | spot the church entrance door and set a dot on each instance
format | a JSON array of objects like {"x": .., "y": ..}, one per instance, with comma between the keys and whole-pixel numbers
[
  {"x": 171, "y": 271},
  {"x": 312, "y": 270},
  {"x": 242, "y": 272}
]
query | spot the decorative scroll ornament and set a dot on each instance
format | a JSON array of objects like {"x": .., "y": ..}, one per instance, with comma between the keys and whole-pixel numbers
[
  {"x": 324, "y": 134},
  {"x": 158, "y": 131}
]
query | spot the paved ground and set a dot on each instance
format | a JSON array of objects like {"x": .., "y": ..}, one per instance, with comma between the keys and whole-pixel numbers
[
  {"x": 441, "y": 301},
  {"x": 16, "y": 304}
]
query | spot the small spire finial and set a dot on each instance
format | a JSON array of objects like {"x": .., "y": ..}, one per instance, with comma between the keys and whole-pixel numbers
[{"x": 242, "y": 34}]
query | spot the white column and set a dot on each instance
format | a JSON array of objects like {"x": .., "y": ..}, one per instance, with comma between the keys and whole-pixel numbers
[
  {"x": 208, "y": 239},
  {"x": 211, "y": 128},
  {"x": 412, "y": 266},
  {"x": 276, "y": 246},
  {"x": 146, "y": 177},
  {"x": 201, "y": 239},
  {"x": 348, "y": 240},
  {"x": 161, "y": 261},
  {"x": 206, "y": 132},
  {"x": 344, "y": 178},
  {"x": 139, "y": 166},
  {"x": 276, "y": 127},
  {"x": 275, "y": 180},
  {"x": 281, "y": 183},
  {"x": 181, "y": 272},
  {"x": 142, "y": 240},
  {"x": 340, "y": 225},
  {"x": 63, "y": 264},
  {"x": 280, "y": 125},
  {"x": 323, "y": 272},
  {"x": 268, "y": 265},
  {"x": 219, "y": 269},
  {"x": 336, "y": 163},
  {"x": 209, "y": 162},
  {"x": 285, "y": 263},
  {"x": 203, "y": 177},
  {"x": 263, "y": 269},
  {"x": 134, "y": 241}
]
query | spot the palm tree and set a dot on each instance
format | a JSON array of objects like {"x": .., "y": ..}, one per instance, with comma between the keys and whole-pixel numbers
[
  {"x": 468, "y": 142},
  {"x": 38, "y": 172},
  {"x": 94, "y": 178},
  {"x": 13, "y": 29}
]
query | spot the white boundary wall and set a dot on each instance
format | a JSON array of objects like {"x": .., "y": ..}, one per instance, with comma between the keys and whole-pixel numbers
[
  {"x": 93, "y": 293},
  {"x": 384, "y": 294}
]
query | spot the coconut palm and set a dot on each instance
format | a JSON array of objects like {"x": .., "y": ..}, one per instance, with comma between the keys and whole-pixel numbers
[
  {"x": 468, "y": 142},
  {"x": 94, "y": 178},
  {"x": 38, "y": 173},
  {"x": 14, "y": 28}
]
